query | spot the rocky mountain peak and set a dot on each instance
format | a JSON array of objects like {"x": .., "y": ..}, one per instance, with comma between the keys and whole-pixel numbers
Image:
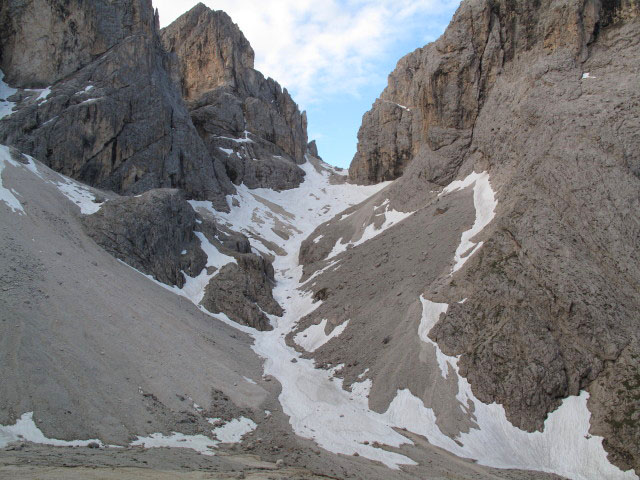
[
  {"x": 523, "y": 91},
  {"x": 433, "y": 97},
  {"x": 241, "y": 115},
  {"x": 213, "y": 50}
]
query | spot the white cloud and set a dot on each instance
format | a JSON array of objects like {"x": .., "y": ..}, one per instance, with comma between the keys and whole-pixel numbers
[{"x": 322, "y": 48}]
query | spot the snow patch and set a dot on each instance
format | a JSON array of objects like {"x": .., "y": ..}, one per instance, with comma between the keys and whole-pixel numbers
[
  {"x": 314, "y": 337},
  {"x": 6, "y": 107},
  {"x": 26, "y": 430},
  {"x": 398, "y": 105},
  {"x": 8, "y": 196},
  {"x": 79, "y": 194},
  {"x": 430, "y": 315},
  {"x": 244, "y": 139},
  {"x": 50, "y": 120},
  {"x": 485, "y": 204},
  {"x": 230, "y": 432},
  {"x": 228, "y": 151},
  {"x": 44, "y": 93},
  {"x": 233, "y": 431},
  {"x": 200, "y": 443},
  {"x": 391, "y": 217}
]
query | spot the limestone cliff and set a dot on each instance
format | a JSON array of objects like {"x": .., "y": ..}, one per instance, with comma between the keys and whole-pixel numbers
[{"x": 250, "y": 123}]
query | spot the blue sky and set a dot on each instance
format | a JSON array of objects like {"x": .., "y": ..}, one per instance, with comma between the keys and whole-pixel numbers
[{"x": 332, "y": 55}]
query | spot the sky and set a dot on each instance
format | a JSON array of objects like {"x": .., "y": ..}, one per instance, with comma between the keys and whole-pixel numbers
[{"x": 333, "y": 56}]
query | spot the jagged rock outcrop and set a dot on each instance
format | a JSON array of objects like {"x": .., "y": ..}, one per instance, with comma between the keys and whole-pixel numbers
[
  {"x": 153, "y": 232},
  {"x": 243, "y": 292},
  {"x": 543, "y": 96},
  {"x": 248, "y": 122},
  {"x": 312, "y": 148},
  {"x": 112, "y": 116}
]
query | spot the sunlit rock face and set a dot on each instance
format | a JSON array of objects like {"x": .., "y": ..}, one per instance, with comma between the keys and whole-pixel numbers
[{"x": 247, "y": 121}]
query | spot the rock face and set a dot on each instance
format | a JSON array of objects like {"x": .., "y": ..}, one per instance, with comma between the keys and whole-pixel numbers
[
  {"x": 109, "y": 85},
  {"x": 435, "y": 94},
  {"x": 153, "y": 233},
  {"x": 248, "y": 122},
  {"x": 543, "y": 96},
  {"x": 43, "y": 42}
]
